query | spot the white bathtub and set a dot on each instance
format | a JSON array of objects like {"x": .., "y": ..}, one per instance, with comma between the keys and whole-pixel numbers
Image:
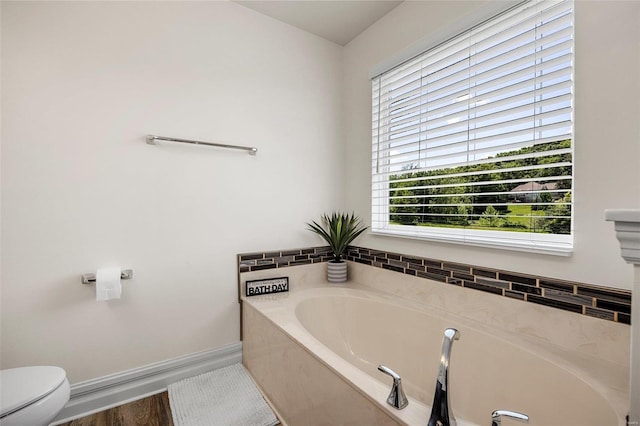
[{"x": 348, "y": 332}]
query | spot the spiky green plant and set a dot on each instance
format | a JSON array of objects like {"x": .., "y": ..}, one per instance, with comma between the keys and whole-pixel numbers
[{"x": 339, "y": 230}]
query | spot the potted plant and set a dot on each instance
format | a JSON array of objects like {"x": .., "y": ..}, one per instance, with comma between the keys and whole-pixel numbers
[{"x": 338, "y": 230}]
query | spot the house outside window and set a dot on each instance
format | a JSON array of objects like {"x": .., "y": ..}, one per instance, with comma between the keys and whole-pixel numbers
[{"x": 472, "y": 141}]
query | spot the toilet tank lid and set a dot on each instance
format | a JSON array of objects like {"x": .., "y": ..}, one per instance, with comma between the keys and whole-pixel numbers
[{"x": 20, "y": 387}]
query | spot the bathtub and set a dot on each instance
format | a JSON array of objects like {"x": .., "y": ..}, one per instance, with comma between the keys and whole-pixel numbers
[{"x": 315, "y": 351}]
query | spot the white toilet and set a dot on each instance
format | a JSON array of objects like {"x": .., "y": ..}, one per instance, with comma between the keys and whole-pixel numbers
[{"x": 32, "y": 396}]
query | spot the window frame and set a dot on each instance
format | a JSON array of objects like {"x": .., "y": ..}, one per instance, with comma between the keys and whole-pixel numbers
[{"x": 547, "y": 243}]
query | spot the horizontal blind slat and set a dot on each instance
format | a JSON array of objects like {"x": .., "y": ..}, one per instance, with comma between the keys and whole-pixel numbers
[{"x": 447, "y": 142}]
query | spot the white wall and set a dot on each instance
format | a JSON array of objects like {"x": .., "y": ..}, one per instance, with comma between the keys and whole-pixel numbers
[
  {"x": 82, "y": 83},
  {"x": 607, "y": 133}
]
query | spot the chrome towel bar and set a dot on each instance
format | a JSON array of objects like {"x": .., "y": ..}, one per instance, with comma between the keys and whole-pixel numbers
[
  {"x": 90, "y": 278},
  {"x": 151, "y": 140}
]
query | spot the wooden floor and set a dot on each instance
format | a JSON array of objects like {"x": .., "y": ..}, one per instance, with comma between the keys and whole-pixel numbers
[{"x": 151, "y": 411}]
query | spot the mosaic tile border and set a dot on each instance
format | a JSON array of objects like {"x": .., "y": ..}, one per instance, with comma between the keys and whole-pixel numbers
[
  {"x": 596, "y": 301},
  {"x": 248, "y": 262}
]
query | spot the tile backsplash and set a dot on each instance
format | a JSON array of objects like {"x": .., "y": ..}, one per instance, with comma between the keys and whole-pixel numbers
[
  {"x": 250, "y": 262},
  {"x": 587, "y": 299}
]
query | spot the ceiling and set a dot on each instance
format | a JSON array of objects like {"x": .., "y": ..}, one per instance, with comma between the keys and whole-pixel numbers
[{"x": 338, "y": 21}]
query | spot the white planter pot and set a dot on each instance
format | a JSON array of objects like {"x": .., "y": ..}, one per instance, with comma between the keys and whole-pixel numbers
[{"x": 337, "y": 271}]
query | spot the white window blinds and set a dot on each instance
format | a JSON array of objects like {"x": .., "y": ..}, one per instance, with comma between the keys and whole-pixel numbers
[{"x": 473, "y": 140}]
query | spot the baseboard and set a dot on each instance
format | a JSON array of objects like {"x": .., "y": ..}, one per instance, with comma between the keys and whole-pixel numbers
[{"x": 116, "y": 389}]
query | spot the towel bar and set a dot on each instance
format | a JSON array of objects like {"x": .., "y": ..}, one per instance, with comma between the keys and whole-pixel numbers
[{"x": 151, "y": 140}]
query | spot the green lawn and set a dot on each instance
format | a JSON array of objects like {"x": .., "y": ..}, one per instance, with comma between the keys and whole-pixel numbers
[
  {"x": 523, "y": 209},
  {"x": 518, "y": 213},
  {"x": 472, "y": 226}
]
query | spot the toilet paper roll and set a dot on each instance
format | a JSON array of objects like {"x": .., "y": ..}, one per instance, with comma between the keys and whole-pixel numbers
[{"x": 108, "y": 284}]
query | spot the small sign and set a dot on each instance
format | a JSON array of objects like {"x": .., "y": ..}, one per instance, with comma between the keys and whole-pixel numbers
[{"x": 266, "y": 286}]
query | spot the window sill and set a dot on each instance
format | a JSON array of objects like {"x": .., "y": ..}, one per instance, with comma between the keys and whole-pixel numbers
[{"x": 554, "y": 245}]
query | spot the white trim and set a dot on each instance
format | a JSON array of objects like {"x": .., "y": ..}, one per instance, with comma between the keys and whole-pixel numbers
[
  {"x": 116, "y": 389},
  {"x": 627, "y": 226},
  {"x": 540, "y": 247}
]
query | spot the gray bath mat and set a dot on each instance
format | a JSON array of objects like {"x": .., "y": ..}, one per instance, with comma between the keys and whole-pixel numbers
[{"x": 223, "y": 397}]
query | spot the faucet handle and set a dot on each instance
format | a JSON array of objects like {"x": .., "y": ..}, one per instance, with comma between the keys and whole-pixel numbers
[
  {"x": 390, "y": 372},
  {"x": 496, "y": 416},
  {"x": 396, "y": 398}
]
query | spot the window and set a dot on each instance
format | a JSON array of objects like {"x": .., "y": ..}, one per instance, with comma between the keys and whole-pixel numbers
[{"x": 473, "y": 139}]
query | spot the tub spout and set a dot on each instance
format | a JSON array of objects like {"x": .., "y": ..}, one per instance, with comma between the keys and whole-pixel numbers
[{"x": 441, "y": 414}]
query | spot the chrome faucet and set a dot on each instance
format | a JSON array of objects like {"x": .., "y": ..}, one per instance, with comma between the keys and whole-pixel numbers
[
  {"x": 496, "y": 416},
  {"x": 397, "y": 398},
  {"x": 441, "y": 414}
]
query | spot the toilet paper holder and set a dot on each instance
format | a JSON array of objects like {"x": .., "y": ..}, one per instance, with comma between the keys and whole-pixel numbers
[{"x": 90, "y": 278}]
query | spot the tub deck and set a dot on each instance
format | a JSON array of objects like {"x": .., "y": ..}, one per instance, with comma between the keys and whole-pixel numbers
[{"x": 314, "y": 351}]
